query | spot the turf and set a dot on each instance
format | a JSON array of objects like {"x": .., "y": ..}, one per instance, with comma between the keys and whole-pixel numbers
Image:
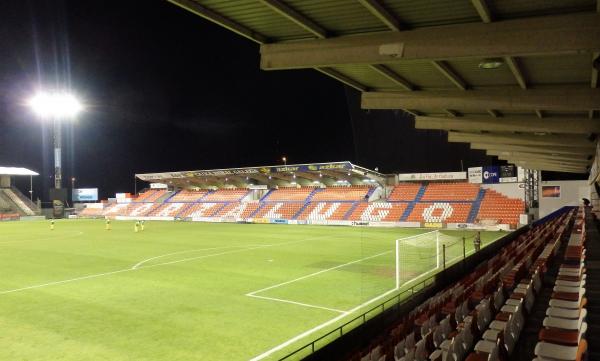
[{"x": 178, "y": 291}]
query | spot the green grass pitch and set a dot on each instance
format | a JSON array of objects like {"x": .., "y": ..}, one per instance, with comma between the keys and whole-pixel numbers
[{"x": 185, "y": 291}]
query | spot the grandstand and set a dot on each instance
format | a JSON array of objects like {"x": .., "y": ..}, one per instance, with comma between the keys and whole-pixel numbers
[
  {"x": 13, "y": 203},
  {"x": 354, "y": 194},
  {"x": 504, "y": 309}
]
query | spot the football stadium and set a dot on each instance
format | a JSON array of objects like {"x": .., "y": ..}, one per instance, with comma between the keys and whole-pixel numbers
[{"x": 491, "y": 257}]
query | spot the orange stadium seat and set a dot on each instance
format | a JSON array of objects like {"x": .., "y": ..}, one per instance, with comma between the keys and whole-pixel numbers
[
  {"x": 451, "y": 192},
  {"x": 151, "y": 195},
  {"x": 404, "y": 192},
  {"x": 168, "y": 209},
  {"x": 204, "y": 209},
  {"x": 446, "y": 212},
  {"x": 226, "y": 195},
  {"x": 325, "y": 211},
  {"x": 188, "y": 196},
  {"x": 500, "y": 208},
  {"x": 378, "y": 212},
  {"x": 352, "y": 193},
  {"x": 289, "y": 194},
  {"x": 238, "y": 210},
  {"x": 279, "y": 210}
]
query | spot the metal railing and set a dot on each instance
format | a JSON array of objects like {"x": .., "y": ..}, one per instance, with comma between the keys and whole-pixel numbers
[{"x": 392, "y": 302}]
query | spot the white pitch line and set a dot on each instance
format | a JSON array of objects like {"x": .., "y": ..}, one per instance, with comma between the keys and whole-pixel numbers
[
  {"x": 297, "y": 303},
  {"x": 181, "y": 252},
  {"x": 64, "y": 281},
  {"x": 316, "y": 273},
  {"x": 137, "y": 269},
  {"x": 317, "y": 328}
]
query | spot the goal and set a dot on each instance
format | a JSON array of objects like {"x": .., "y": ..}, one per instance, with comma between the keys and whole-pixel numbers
[{"x": 423, "y": 254}]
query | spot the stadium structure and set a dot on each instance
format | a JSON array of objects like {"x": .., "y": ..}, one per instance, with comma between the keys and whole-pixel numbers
[
  {"x": 338, "y": 193},
  {"x": 518, "y": 79}
]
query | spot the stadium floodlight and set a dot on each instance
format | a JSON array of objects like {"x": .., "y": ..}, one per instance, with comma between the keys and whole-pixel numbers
[{"x": 55, "y": 105}]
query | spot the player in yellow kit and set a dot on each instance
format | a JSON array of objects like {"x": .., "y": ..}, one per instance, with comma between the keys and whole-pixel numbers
[
  {"x": 107, "y": 224},
  {"x": 52, "y": 225}
]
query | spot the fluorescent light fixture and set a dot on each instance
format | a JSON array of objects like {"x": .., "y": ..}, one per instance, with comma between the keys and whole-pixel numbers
[
  {"x": 491, "y": 63},
  {"x": 58, "y": 105}
]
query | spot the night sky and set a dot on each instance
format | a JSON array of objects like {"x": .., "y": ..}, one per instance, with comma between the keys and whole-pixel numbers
[{"x": 166, "y": 90}]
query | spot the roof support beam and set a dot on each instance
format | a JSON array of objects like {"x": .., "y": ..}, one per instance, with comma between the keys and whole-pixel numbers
[
  {"x": 568, "y": 98},
  {"x": 494, "y": 113},
  {"x": 595, "y": 71},
  {"x": 294, "y": 16},
  {"x": 543, "y": 162},
  {"x": 552, "y": 150},
  {"x": 570, "y": 34},
  {"x": 219, "y": 19},
  {"x": 382, "y": 14},
  {"x": 566, "y": 164},
  {"x": 510, "y": 124},
  {"x": 550, "y": 167},
  {"x": 450, "y": 112},
  {"x": 449, "y": 73},
  {"x": 393, "y": 76},
  {"x": 413, "y": 112},
  {"x": 522, "y": 139},
  {"x": 517, "y": 71},
  {"x": 483, "y": 10},
  {"x": 344, "y": 79},
  {"x": 309, "y": 176},
  {"x": 524, "y": 155}
]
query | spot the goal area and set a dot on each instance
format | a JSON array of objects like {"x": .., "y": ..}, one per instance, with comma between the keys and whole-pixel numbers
[{"x": 423, "y": 254}]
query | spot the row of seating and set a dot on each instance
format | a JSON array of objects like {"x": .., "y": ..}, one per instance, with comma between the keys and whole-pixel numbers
[
  {"x": 563, "y": 334},
  {"x": 500, "y": 208},
  {"x": 451, "y": 191},
  {"x": 481, "y": 316},
  {"x": 457, "y": 212}
]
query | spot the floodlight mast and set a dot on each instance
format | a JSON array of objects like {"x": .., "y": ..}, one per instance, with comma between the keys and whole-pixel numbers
[{"x": 58, "y": 107}]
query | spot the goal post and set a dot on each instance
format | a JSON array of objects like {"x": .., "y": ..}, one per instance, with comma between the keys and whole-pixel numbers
[{"x": 423, "y": 254}]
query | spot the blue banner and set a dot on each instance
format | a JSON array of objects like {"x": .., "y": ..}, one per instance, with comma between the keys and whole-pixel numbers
[{"x": 491, "y": 174}]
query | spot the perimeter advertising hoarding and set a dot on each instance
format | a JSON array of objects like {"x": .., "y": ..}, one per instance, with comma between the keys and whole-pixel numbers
[
  {"x": 491, "y": 174},
  {"x": 475, "y": 174},
  {"x": 508, "y": 174},
  {"x": 247, "y": 171},
  {"x": 551, "y": 191},
  {"x": 432, "y": 176},
  {"x": 85, "y": 194}
]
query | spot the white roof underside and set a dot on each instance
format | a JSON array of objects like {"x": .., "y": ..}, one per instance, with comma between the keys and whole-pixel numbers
[{"x": 16, "y": 171}]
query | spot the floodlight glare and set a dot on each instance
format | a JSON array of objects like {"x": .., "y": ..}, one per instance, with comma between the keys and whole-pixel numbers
[{"x": 55, "y": 105}]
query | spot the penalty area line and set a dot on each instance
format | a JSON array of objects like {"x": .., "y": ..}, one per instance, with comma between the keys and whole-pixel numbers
[
  {"x": 297, "y": 303},
  {"x": 319, "y": 327},
  {"x": 316, "y": 273}
]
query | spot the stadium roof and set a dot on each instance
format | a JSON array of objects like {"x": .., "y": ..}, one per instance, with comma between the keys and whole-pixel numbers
[
  {"x": 511, "y": 77},
  {"x": 281, "y": 175},
  {"x": 16, "y": 171}
]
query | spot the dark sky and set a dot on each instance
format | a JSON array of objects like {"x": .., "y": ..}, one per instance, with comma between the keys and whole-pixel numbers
[{"x": 167, "y": 90}]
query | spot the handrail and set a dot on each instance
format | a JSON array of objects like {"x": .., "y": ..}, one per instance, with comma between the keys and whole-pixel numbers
[{"x": 363, "y": 317}]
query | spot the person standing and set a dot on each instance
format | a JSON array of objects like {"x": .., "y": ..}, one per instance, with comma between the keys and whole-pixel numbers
[
  {"x": 52, "y": 225},
  {"x": 477, "y": 241},
  {"x": 107, "y": 224}
]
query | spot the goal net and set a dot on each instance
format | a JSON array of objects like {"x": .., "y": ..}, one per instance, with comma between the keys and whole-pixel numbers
[{"x": 422, "y": 255}]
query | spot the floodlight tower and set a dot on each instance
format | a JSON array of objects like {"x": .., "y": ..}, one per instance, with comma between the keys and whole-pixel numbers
[{"x": 58, "y": 106}]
